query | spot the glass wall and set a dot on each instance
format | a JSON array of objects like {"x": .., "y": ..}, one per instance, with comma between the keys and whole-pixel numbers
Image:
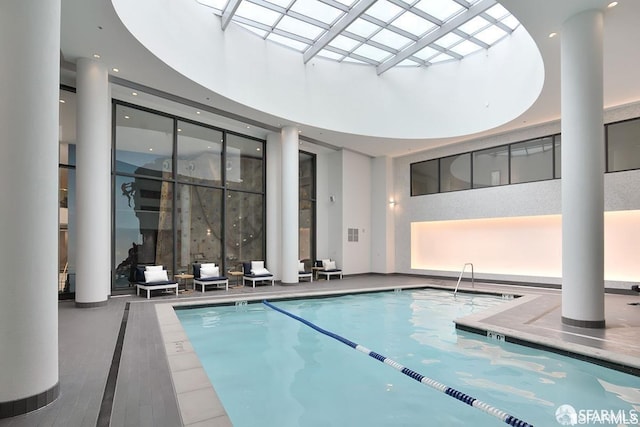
[
  {"x": 424, "y": 177},
  {"x": 491, "y": 167},
  {"x": 532, "y": 160},
  {"x": 526, "y": 161},
  {"x": 307, "y": 202},
  {"x": 184, "y": 192},
  {"x": 67, "y": 194},
  {"x": 455, "y": 173},
  {"x": 623, "y": 145}
]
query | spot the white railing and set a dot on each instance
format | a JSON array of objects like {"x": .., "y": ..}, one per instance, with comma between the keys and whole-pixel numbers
[{"x": 460, "y": 277}]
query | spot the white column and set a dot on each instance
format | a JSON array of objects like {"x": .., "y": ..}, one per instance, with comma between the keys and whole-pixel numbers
[
  {"x": 274, "y": 204},
  {"x": 93, "y": 181},
  {"x": 29, "y": 88},
  {"x": 582, "y": 170},
  {"x": 290, "y": 208}
]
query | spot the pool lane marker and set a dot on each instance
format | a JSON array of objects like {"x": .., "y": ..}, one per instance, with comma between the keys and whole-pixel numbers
[{"x": 471, "y": 401}]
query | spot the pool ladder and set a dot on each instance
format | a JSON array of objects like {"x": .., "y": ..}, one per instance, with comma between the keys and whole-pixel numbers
[{"x": 460, "y": 277}]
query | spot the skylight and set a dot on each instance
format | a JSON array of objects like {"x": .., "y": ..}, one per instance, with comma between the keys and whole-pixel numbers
[{"x": 381, "y": 33}]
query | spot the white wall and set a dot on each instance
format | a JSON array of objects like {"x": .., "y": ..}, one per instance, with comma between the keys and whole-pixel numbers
[
  {"x": 382, "y": 216},
  {"x": 518, "y": 200},
  {"x": 356, "y": 182}
]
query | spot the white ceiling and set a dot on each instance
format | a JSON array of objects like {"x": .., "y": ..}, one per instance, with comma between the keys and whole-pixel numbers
[{"x": 92, "y": 26}]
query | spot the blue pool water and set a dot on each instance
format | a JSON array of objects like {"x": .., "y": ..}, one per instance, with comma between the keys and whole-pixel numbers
[{"x": 271, "y": 370}]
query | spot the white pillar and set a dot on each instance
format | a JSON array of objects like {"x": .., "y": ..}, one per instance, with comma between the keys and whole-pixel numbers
[
  {"x": 582, "y": 170},
  {"x": 29, "y": 88},
  {"x": 290, "y": 208},
  {"x": 93, "y": 181},
  {"x": 274, "y": 204}
]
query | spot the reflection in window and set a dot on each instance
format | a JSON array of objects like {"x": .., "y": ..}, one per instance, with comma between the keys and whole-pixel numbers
[
  {"x": 424, "y": 177},
  {"x": 491, "y": 167},
  {"x": 144, "y": 142},
  {"x": 306, "y": 215},
  {"x": 557, "y": 150},
  {"x": 66, "y": 230},
  {"x": 455, "y": 173},
  {"x": 244, "y": 222},
  {"x": 199, "y": 154},
  {"x": 532, "y": 160},
  {"x": 623, "y": 146},
  {"x": 143, "y": 226},
  {"x": 244, "y": 165},
  {"x": 199, "y": 226}
]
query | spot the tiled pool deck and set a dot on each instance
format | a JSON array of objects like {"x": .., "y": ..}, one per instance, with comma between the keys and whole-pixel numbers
[{"x": 161, "y": 383}]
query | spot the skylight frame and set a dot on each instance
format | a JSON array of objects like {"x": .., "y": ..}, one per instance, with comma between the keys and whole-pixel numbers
[{"x": 390, "y": 23}]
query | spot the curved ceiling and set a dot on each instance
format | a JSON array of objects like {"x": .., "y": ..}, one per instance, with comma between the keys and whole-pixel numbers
[
  {"x": 92, "y": 27},
  {"x": 445, "y": 100}
]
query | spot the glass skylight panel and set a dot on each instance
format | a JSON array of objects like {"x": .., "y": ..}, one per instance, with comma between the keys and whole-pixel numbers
[
  {"x": 412, "y": 23},
  {"x": 490, "y": 35},
  {"x": 474, "y": 25},
  {"x": 498, "y": 11},
  {"x": 347, "y": 2},
  {"x": 440, "y": 9},
  {"x": 282, "y": 3},
  {"x": 344, "y": 43},
  {"x": 440, "y": 58},
  {"x": 426, "y": 53},
  {"x": 296, "y": 26},
  {"x": 362, "y": 28},
  {"x": 448, "y": 40},
  {"x": 408, "y": 63},
  {"x": 354, "y": 60},
  {"x": 371, "y": 52},
  {"x": 511, "y": 22},
  {"x": 391, "y": 39},
  {"x": 330, "y": 55},
  {"x": 257, "y": 13},
  {"x": 286, "y": 41},
  {"x": 317, "y": 10},
  {"x": 384, "y": 11},
  {"x": 258, "y": 31},
  {"x": 465, "y": 48}
]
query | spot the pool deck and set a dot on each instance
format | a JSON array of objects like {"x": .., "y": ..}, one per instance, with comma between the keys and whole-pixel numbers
[{"x": 160, "y": 382}]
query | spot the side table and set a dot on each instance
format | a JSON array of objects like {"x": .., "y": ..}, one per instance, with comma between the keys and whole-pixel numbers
[
  {"x": 237, "y": 275},
  {"x": 185, "y": 278}
]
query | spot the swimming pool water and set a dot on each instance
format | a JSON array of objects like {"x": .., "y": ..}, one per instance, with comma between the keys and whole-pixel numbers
[{"x": 271, "y": 370}]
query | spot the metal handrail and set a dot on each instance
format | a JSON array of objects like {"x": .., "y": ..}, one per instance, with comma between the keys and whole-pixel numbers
[{"x": 460, "y": 277}]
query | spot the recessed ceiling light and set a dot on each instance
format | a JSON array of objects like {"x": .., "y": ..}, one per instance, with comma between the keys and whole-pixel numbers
[
  {"x": 612, "y": 4},
  {"x": 126, "y": 117},
  {"x": 115, "y": 70},
  {"x": 150, "y": 149},
  {"x": 248, "y": 127},
  {"x": 134, "y": 93},
  {"x": 62, "y": 101},
  {"x": 552, "y": 35},
  {"x": 197, "y": 112},
  {"x": 179, "y": 130},
  {"x": 95, "y": 55},
  {"x": 258, "y": 149}
]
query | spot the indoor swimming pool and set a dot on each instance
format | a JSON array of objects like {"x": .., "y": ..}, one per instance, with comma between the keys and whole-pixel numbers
[{"x": 270, "y": 369}]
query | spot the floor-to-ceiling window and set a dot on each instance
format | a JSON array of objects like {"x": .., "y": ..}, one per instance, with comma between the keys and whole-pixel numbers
[
  {"x": 307, "y": 210},
  {"x": 66, "y": 194},
  {"x": 184, "y": 192}
]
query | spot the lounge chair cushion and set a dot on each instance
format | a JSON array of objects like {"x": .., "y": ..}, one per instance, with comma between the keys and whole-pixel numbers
[
  {"x": 260, "y": 272},
  {"x": 206, "y": 272},
  {"x": 153, "y": 268},
  {"x": 301, "y": 267},
  {"x": 153, "y": 276},
  {"x": 329, "y": 265},
  {"x": 257, "y": 266}
]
